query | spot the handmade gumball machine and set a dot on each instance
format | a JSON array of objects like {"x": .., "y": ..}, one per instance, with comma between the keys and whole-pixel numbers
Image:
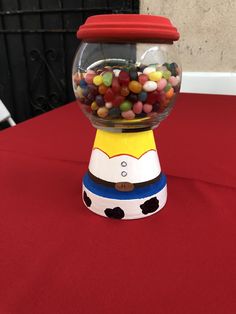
[{"x": 126, "y": 76}]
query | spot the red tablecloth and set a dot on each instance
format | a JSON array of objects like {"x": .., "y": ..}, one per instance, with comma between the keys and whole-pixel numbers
[{"x": 58, "y": 257}]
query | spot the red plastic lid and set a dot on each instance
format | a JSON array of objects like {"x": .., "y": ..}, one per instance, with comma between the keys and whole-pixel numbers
[{"x": 127, "y": 27}]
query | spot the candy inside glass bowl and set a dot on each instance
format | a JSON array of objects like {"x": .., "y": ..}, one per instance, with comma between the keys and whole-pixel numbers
[{"x": 126, "y": 86}]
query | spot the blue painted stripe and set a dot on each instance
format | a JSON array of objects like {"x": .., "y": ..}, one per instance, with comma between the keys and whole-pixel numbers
[{"x": 110, "y": 192}]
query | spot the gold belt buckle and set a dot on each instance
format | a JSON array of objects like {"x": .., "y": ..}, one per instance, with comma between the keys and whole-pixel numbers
[{"x": 124, "y": 186}]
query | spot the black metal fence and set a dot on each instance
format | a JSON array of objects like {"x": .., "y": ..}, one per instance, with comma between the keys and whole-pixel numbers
[{"x": 37, "y": 46}]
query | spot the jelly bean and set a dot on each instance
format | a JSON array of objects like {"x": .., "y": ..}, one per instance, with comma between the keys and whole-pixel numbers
[
  {"x": 97, "y": 80},
  {"x": 142, "y": 96},
  {"x": 152, "y": 97},
  {"x": 91, "y": 97},
  {"x": 114, "y": 112},
  {"x": 79, "y": 92},
  {"x": 155, "y": 76},
  {"x": 133, "y": 74},
  {"x": 161, "y": 84},
  {"x": 132, "y": 97},
  {"x": 128, "y": 115},
  {"x": 174, "y": 69},
  {"x": 170, "y": 93},
  {"x": 173, "y": 80},
  {"x": 85, "y": 91},
  {"x": 149, "y": 69},
  {"x": 166, "y": 74},
  {"x": 118, "y": 100},
  {"x": 92, "y": 89},
  {"x": 138, "y": 107},
  {"x": 125, "y": 105},
  {"x": 124, "y": 77},
  {"x": 109, "y": 95},
  {"x": 107, "y": 78},
  {"x": 94, "y": 106},
  {"x": 82, "y": 83},
  {"x": 143, "y": 78},
  {"x": 99, "y": 100},
  {"x": 116, "y": 72},
  {"x": 150, "y": 86},
  {"x": 108, "y": 105},
  {"x": 135, "y": 87},
  {"x": 147, "y": 108},
  {"x": 102, "y": 89},
  {"x": 168, "y": 87},
  {"x": 124, "y": 91},
  {"x": 115, "y": 85},
  {"x": 89, "y": 78},
  {"x": 102, "y": 112}
]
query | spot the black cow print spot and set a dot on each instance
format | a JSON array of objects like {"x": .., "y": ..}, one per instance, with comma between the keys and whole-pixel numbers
[
  {"x": 150, "y": 206},
  {"x": 116, "y": 213},
  {"x": 87, "y": 200}
]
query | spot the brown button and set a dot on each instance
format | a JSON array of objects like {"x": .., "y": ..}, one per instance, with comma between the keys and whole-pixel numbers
[{"x": 124, "y": 186}]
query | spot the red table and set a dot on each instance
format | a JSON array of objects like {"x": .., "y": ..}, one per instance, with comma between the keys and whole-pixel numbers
[{"x": 58, "y": 257}]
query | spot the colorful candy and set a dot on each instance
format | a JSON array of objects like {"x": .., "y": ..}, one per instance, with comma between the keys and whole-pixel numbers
[
  {"x": 115, "y": 85},
  {"x": 94, "y": 106},
  {"x": 155, "y": 76},
  {"x": 102, "y": 89},
  {"x": 168, "y": 87},
  {"x": 150, "y": 86},
  {"x": 138, "y": 107},
  {"x": 127, "y": 92},
  {"x": 124, "y": 77},
  {"x": 143, "y": 78},
  {"x": 125, "y": 105},
  {"x": 142, "y": 96},
  {"x": 109, "y": 95},
  {"x": 135, "y": 87},
  {"x": 149, "y": 70},
  {"x": 102, "y": 112},
  {"x": 161, "y": 84},
  {"x": 124, "y": 91},
  {"x": 128, "y": 115},
  {"x": 147, "y": 108},
  {"x": 170, "y": 93},
  {"x": 166, "y": 75},
  {"x": 114, "y": 112},
  {"x": 107, "y": 78},
  {"x": 133, "y": 75},
  {"x": 100, "y": 100},
  {"x": 118, "y": 100},
  {"x": 97, "y": 80},
  {"x": 108, "y": 105}
]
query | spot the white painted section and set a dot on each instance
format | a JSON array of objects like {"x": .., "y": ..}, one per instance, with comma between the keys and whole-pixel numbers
[
  {"x": 221, "y": 83},
  {"x": 124, "y": 168},
  {"x": 131, "y": 208}
]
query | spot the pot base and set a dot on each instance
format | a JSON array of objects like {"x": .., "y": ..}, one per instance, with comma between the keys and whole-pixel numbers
[{"x": 139, "y": 203}]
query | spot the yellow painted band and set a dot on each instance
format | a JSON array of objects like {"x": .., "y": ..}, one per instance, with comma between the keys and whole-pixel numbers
[{"x": 134, "y": 144}]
